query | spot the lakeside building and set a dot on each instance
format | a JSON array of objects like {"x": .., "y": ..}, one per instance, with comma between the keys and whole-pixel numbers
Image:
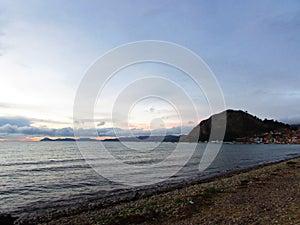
[{"x": 284, "y": 136}]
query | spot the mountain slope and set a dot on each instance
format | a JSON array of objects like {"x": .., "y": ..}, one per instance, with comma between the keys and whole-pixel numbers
[{"x": 239, "y": 124}]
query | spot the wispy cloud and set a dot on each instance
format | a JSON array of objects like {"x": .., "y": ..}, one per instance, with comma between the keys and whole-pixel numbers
[
  {"x": 101, "y": 123},
  {"x": 15, "y": 121}
]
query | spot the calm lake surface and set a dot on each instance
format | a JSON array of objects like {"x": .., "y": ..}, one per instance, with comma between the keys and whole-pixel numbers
[{"x": 34, "y": 174}]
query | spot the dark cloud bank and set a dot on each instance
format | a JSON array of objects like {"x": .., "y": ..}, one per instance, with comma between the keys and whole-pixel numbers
[{"x": 22, "y": 126}]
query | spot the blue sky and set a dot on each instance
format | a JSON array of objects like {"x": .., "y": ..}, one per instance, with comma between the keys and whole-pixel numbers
[{"x": 253, "y": 48}]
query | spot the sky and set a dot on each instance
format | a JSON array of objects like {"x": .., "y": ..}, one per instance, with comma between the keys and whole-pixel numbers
[{"x": 46, "y": 47}]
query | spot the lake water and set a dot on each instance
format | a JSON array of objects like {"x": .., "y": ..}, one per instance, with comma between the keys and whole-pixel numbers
[{"x": 34, "y": 174}]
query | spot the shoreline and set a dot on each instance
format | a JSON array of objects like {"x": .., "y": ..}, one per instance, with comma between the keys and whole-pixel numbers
[{"x": 131, "y": 196}]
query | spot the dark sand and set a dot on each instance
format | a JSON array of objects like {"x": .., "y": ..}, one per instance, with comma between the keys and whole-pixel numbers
[{"x": 267, "y": 194}]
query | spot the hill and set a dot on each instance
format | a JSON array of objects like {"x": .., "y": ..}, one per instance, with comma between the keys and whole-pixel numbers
[
  {"x": 58, "y": 139},
  {"x": 295, "y": 126},
  {"x": 168, "y": 138},
  {"x": 239, "y": 124}
]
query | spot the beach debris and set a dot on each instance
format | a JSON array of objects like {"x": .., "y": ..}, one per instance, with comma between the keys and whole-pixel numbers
[{"x": 191, "y": 202}]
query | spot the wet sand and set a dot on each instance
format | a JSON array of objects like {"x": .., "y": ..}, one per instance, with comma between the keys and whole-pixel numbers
[{"x": 268, "y": 194}]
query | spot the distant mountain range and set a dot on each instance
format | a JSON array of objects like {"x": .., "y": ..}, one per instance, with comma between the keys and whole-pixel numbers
[
  {"x": 239, "y": 124},
  {"x": 68, "y": 139},
  {"x": 168, "y": 138}
]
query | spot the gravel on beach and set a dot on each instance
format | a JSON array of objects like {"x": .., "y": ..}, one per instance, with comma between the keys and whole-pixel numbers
[{"x": 267, "y": 194}]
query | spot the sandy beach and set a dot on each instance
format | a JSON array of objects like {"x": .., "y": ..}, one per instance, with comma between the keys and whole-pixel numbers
[{"x": 266, "y": 194}]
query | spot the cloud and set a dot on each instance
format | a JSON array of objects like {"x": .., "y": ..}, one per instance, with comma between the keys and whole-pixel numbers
[
  {"x": 9, "y": 130},
  {"x": 4, "y": 105},
  {"x": 292, "y": 119},
  {"x": 18, "y": 121},
  {"x": 1, "y": 37},
  {"x": 142, "y": 132},
  {"x": 152, "y": 109},
  {"x": 24, "y": 121},
  {"x": 68, "y": 131},
  {"x": 101, "y": 124}
]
